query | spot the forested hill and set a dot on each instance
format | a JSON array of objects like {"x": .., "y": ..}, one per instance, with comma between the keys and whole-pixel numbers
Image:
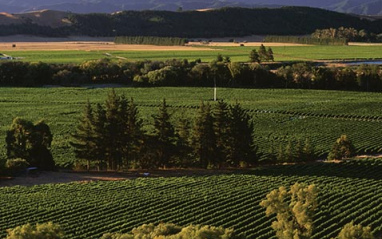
[
  {"x": 361, "y": 7},
  {"x": 214, "y": 23}
]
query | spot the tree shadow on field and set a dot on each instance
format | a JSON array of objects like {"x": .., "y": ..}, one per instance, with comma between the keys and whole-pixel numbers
[{"x": 351, "y": 169}]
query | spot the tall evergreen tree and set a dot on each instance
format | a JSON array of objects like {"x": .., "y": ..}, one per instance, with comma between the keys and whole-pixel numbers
[
  {"x": 203, "y": 137},
  {"x": 183, "y": 133},
  {"x": 263, "y": 53},
  {"x": 254, "y": 56},
  {"x": 241, "y": 146},
  {"x": 134, "y": 133},
  {"x": 100, "y": 136},
  {"x": 222, "y": 126},
  {"x": 270, "y": 54},
  {"x": 164, "y": 134},
  {"x": 83, "y": 139},
  {"x": 113, "y": 142}
]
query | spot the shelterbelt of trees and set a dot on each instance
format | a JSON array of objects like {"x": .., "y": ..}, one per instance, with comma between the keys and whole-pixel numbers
[
  {"x": 184, "y": 73},
  {"x": 191, "y": 24}
]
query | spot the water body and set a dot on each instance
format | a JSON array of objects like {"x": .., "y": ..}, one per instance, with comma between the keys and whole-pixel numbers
[{"x": 357, "y": 63}]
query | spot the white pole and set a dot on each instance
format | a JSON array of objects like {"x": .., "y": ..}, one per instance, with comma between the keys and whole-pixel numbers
[{"x": 215, "y": 88}]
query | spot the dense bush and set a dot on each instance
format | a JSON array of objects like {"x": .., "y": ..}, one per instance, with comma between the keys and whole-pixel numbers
[
  {"x": 15, "y": 166},
  {"x": 172, "y": 231},
  {"x": 45, "y": 230}
]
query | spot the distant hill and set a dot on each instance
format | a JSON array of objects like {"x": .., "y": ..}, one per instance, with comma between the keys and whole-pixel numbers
[
  {"x": 225, "y": 22},
  {"x": 364, "y": 7}
]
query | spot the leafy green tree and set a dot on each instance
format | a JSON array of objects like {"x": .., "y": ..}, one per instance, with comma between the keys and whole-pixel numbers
[
  {"x": 351, "y": 231},
  {"x": 254, "y": 56},
  {"x": 203, "y": 137},
  {"x": 164, "y": 134},
  {"x": 294, "y": 210},
  {"x": 172, "y": 231},
  {"x": 45, "y": 230},
  {"x": 342, "y": 148},
  {"x": 31, "y": 142},
  {"x": 83, "y": 138}
]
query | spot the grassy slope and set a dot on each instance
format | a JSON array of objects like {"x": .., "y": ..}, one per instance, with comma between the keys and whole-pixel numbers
[
  {"x": 319, "y": 115},
  {"x": 287, "y": 53},
  {"x": 349, "y": 191}
]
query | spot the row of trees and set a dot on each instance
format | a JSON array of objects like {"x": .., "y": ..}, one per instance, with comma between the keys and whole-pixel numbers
[
  {"x": 307, "y": 40},
  {"x": 347, "y": 34},
  {"x": 111, "y": 136},
  {"x": 184, "y": 73},
  {"x": 262, "y": 55},
  {"x": 150, "y": 40}
]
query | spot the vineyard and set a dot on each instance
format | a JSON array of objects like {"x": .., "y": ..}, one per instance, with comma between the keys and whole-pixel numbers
[
  {"x": 279, "y": 115},
  {"x": 348, "y": 191},
  {"x": 75, "y": 54}
]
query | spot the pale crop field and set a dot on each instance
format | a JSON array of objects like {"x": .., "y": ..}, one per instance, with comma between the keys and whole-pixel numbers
[{"x": 77, "y": 52}]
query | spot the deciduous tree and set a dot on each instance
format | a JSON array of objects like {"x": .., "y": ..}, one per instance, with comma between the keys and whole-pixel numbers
[
  {"x": 294, "y": 210},
  {"x": 351, "y": 231},
  {"x": 342, "y": 148}
]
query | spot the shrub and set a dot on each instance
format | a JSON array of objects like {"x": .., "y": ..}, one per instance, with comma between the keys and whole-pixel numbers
[
  {"x": 45, "y": 230},
  {"x": 15, "y": 166}
]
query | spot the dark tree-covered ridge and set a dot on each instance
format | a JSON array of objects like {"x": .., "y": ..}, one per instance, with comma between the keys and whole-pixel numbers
[{"x": 194, "y": 24}]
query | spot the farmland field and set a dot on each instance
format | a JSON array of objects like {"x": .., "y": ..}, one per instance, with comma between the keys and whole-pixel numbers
[
  {"x": 279, "y": 115},
  {"x": 77, "y": 53},
  {"x": 348, "y": 191}
]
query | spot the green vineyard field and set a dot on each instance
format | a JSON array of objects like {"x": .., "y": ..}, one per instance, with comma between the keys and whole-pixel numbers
[
  {"x": 236, "y": 53},
  {"x": 279, "y": 115},
  {"x": 348, "y": 191}
]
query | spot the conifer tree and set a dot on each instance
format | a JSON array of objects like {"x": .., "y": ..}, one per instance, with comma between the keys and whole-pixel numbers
[
  {"x": 113, "y": 140},
  {"x": 203, "y": 137},
  {"x": 164, "y": 134},
  {"x": 241, "y": 147},
  {"x": 222, "y": 131},
  {"x": 83, "y": 139},
  {"x": 254, "y": 56},
  {"x": 281, "y": 154},
  {"x": 99, "y": 137},
  {"x": 308, "y": 151},
  {"x": 134, "y": 133},
  {"x": 183, "y": 132},
  {"x": 289, "y": 152},
  {"x": 270, "y": 55},
  {"x": 263, "y": 53},
  {"x": 298, "y": 154}
]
